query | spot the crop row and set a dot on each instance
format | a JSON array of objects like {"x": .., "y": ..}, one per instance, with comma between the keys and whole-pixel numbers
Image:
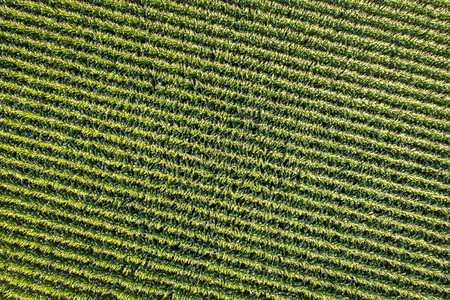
[
  {"x": 150, "y": 174},
  {"x": 117, "y": 188},
  {"x": 306, "y": 228},
  {"x": 352, "y": 115},
  {"x": 320, "y": 106},
  {"x": 137, "y": 29},
  {"x": 322, "y": 38},
  {"x": 151, "y": 264},
  {"x": 239, "y": 171},
  {"x": 319, "y": 38},
  {"x": 242, "y": 149},
  {"x": 310, "y": 23},
  {"x": 169, "y": 244},
  {"x": 113, "y": 77},
  {"x": 164, "y": 223},
  {"x": 49, "y": 270},
  {"x": 191, "y": 120},
  {"x": 103, "y": 234},
  {"x": 427, "y": 14},
  {"x": 194, "y": 160},
  {"x": 328, "y": 12}
]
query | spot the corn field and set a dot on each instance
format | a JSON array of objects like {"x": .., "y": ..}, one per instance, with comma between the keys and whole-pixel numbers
[{"x": 225, "y": 149}]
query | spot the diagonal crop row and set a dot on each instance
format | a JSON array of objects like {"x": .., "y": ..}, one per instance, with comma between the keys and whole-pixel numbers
[
  {"x": 243, "y": 149},
  {"x": 56, "y": 267},
  {"x": 17, "y": 280},
  {"x": 69, "y": 75},
  {"x": 352, "y": 116},
  {"x": 202, "y": 38},
  {"x": 191, "y": 222},
  {"x": 103, "y": 234},
  {"x": 431, "y": 15},
  {"x": 321, "y": 39},
  {"x": 142, "y": 171},
  {"x": 13, "y": 288},
  {"x": 354, "y": 16},
  {"x": 121, "y": 188},
  {"x": 286, "y": 182},
  {"x": 406, "y": 11},
  {"x": 236, "y": 274},
  {"x": 80, "y": 289},
  {"x": 150, "y": 121},
  {"x": 127, "y": 141},
  {"x": 131, "y": 32},
  {"x": 73, "y": 259},
  {"x": 120, "y": 255},
  {"x": 307, "y": 22},
  {"x": 117, "y": 152},
  {"x": 99, "y": 147},
  {"x": 255, "y": 52},
  {"x": 392, "y": 136}
]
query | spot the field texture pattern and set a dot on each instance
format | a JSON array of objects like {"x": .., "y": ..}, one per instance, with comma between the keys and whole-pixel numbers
[{"x": 235, "y": 149}]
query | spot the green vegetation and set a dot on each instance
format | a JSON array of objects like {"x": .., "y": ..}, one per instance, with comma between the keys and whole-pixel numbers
[{"x": 224, "y": 149}]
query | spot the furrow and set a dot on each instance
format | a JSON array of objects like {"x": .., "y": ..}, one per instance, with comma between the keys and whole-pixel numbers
[
  {"x": 396, "y": 11},
  {"x": 97, "y": 83},
  {"x": 189, "y": 260},
  {"x": 368, "y": 131},
  {"x": 95, "y": 147},
  {"x": 121, "y": 255},
  {"x": 139, "y": 262},
  {"x": 202, "y": 111},
  {"x": 204, "y": 174},
  {"x": 130, "y": 33},
  {"x": 354, "y": 16},
  {"x": 140, "y": 35},
  {"x": 307, "y": 23},
  {"x": 68, "y": 90},
  {"x": 318, "y": 39},
  {"x": 257, "y": 52},
  {"x": 104, "y": 264},
  {"x": 241, "y": 149},
  {"x": 59, "y": 161},
  {"x": 8, "y": 290},
  {"x": 204, "y": 277},
  {"x": 369, "y": 204},
  {"x": 436, "y": 196},
  {"x": 306, "y": 278},
  {"x": 80, "y": 288},
  {"x": 16, "y": 278},
  {"x": 235, "y": 233},
  {"x": 59, "y": 267},
  {"x": 193, "y": 262}
]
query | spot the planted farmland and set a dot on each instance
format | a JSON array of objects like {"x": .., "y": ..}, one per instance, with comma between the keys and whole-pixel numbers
[{"x": 234, "y": 149}]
